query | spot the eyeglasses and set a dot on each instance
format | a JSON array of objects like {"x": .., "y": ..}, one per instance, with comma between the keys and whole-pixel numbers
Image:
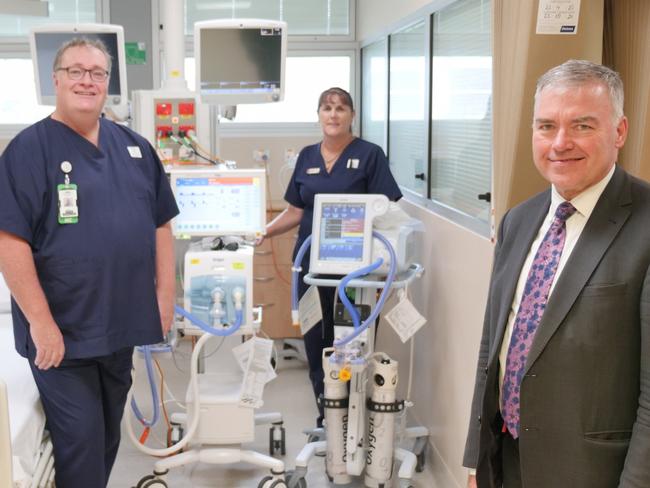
[{"x": 76, "y": 73}]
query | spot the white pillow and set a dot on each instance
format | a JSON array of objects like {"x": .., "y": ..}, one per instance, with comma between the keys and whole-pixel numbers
[{"x": 5, "y": 296}]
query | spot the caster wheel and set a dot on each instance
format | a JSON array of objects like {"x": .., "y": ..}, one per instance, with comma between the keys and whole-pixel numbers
[
  {"x": 300, "y": 483},
  {"x": 141, "y": 483},
  {"x": 155, "y": 484},
  {"x": 264, "y": 481},
  {"x": 278, "y": 484}
]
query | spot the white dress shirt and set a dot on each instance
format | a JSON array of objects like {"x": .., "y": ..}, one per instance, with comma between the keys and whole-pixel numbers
[{"x": 584, "y": 204}]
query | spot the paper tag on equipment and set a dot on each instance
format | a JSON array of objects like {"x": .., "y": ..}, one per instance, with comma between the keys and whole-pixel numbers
[
  {"x": 309, "y": 310},
  {"x": 254, "y": 356},
  {"x": 405, "y": 319}
]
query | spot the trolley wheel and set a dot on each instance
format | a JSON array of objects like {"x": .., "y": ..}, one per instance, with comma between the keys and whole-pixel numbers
[
  {"x": 144, "y": 479},
  {"x": 263, "y": 481},
  {"x": 278, "y": 484},
  {"x": 155, "y": 484},
  {"x": 301, "y": 482}
]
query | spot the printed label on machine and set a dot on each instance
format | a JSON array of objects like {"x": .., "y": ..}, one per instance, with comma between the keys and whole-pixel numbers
[
  {"x": 405, "y": 319},
  {"x": 309, "y": 310}
]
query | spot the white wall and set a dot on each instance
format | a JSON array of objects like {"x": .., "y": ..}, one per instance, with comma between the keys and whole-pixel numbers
[{"x": 451, "y": 295}]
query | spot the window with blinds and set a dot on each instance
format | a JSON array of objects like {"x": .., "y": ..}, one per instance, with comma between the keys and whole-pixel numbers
[
  {"x": 303, "y": 17},
  {"x": 59, "y": 11},
  {"x": 374, "y": 92},
  {"x": 461, "y": 108},
  {"x": 407, "y": 113}
]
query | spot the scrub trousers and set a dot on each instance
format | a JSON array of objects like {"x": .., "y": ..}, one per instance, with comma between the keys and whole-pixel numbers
[
  {"x": 83, "y": 400},
  {"x": 318, "y": 338}
]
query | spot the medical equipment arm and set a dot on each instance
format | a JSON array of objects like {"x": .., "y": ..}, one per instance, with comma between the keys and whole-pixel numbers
[
  {"x": 17, "y": 266},
  {"x": 165, "y": 277}
]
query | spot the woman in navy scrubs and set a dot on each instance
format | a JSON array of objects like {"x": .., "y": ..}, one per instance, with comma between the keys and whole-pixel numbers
[
  {"x": 340, "y": 163},
  {"x": 87, "y": 251}
]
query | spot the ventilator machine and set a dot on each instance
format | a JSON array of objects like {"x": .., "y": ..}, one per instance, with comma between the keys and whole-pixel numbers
[{"x": 374, "y": 244}]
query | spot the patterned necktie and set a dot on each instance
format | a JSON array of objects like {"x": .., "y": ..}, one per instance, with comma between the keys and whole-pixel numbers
[{"x": 531, "y": 309}]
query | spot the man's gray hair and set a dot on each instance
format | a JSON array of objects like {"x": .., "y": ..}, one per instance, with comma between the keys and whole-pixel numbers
[
  {"x": 576, "y": 72},
  {"x": 82, "y": 42}
]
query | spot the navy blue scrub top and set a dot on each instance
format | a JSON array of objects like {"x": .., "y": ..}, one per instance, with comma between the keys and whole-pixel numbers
[
  {"x": 362, "y": 167},
  {"x": 99, "y": 274}
]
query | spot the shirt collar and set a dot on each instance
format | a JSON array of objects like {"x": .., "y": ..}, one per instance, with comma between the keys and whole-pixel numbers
[{"x": 586, "y": 201}]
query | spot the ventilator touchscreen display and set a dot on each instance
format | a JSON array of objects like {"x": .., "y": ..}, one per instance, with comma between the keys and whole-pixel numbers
[
  {"x": 341, "y": 232},
  {"x": 211, "y": 205}
]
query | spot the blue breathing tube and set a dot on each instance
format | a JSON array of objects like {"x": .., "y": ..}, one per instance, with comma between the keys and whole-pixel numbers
[
  {"x": 392, "y": 271},
  {"x": 148, "y": 350},
  {"x": 239, "y": 319},
  {"x": 354, "y": 313},
  {"x": 296, "y": 273},
  {"x": 358, "y": 327}
]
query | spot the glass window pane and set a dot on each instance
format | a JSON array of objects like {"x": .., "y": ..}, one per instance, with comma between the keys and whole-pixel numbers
[
  {"x": 306, "y": 78},
  {"x": 21, "y": 106},
  {"x": 304, "y": 17},
  {"x": 407, "y": 113},
  {"x": 461, "y": 126},
  {"x": 60, "y": 11},
  {"x": 374, "y": 92}
]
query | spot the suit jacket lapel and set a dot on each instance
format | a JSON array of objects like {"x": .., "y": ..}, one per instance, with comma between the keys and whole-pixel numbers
[
  {"x": 609, "y": 215},
  {"x": 513, "y": 259}
]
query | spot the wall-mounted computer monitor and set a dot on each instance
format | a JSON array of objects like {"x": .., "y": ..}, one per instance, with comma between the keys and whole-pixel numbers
[
  {"x": 342, "y": 231},
  {"x": 240, "y": 61},
  {"x": 45, "y": 41},
  {"x": 214, "y": 202}
]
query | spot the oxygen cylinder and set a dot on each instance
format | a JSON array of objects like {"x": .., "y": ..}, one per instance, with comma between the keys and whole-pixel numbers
[
  {"x": 382, "y": 408},
  {"x": 335, "y": 403}
]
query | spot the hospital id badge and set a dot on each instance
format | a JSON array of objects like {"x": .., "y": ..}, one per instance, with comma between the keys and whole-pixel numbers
[{"x": 68, "y": 210}]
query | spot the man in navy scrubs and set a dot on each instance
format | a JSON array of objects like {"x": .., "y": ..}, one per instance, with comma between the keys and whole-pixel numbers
[{"x": 87, "y": 251}]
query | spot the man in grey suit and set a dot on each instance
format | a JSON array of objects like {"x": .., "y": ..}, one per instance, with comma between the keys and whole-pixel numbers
[{"x": 565, "y": 352}]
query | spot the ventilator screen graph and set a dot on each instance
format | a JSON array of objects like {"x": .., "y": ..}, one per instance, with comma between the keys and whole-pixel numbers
[
  {"x": 214, "y": 205},
  {"x": 341, "y": 232}
]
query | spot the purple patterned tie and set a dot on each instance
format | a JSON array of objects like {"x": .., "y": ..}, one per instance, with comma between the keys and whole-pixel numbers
[{"x": 531, "y": 309}]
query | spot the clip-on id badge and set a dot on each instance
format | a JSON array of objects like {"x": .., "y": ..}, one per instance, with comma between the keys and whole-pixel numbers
[{"x": 68, "y": 210}]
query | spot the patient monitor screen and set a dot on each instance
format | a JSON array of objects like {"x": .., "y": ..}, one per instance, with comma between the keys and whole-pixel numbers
[
  {"x": 241, "y": 60},
  {"x": 341, "y": 232},
  {"x": 219, "y": 205}
]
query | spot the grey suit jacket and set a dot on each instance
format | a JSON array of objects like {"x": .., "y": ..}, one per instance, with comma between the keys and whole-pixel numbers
[{"x": 585, "y": 396}]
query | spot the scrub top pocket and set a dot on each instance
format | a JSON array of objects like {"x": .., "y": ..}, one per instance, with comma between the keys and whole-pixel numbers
[{"x": 73, "y": 291}]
